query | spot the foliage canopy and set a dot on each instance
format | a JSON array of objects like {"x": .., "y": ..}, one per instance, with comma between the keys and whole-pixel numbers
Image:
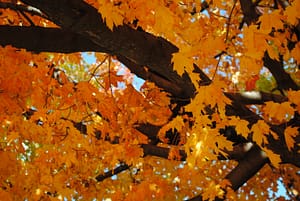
[{"x": 216, "y": 118}]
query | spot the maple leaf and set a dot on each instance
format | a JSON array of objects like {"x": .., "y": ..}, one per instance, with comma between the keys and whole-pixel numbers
[
  {"x": 292, "y": 12},
  {"x": 274, "y": 158},
  {"x": 213, "y": 190},
  {"x": 254, "y": 64},
  {"x": 111, "y": 15},
  {"x": 176, "y": 123},
  {"x": 279, "y": 111},
  {"x": 260, "y": 131},
  {"x": 182, "y": 62},
  {"x": 289, "y": 134},
  {"x": 5, "y": 195},
  {"x": 80, "y": 129},
  {"x": 251, "y": 83},
  {"x": 295, "y": 53},
  {"x": 241, "y": 126},
  {"x": 255, "y": 42},
  {"x": 270, "y": 20},
  {"x": 294, "y": 97},
  {"x": 163, "y": 19}
]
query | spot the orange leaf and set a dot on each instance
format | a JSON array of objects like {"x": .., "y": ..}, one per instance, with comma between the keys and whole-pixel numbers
[
  {"x": 289, "y": 134},
  {"x": 294, "y": 97},
  {"x": 278, "y": 112},
  {"x": 274, "y": 158},
  {"x": 251, "y": 83},
  {"x": 260, "y": 130},
  {"x": 5, "y": 195},
  {"x": 182, "y": 63}
]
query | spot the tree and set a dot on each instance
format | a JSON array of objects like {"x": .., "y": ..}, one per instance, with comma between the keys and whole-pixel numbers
[{"x": 217, "y": 118}]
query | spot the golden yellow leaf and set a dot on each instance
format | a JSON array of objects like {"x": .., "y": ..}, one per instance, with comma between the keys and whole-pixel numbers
[
  {"x": 5, "y": 195},
  {"x": 248, "y": 63},
  {"x": 111, "y": 15},
  {"x": 182, "y": 63},
  {"x": 295, "y": 53},
  {"x": 294, "y": 97},
  {"x": 163, "y": 19},
  {"x": 212, "y": 191},
  {"x": 289, "y": 134},
  {"x": 273, "y": 52},
  {"x": 260, "y": 129},
  {"x": 241, "y": 126},
  {"x": 274, "y": 158},
  {"x": 292, "y": 12},
  {"x": 255, "y": 42},
  {"x": 279, "y": 112},
  {"x": 270, "y": 20}
]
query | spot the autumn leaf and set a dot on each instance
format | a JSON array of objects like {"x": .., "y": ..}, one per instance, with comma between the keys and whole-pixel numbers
[
  {"x": 112, "y": 16},
  {"x": 279, "y": 112},
  {"x": 255, "y": 42},
  {"x": 292, "y": 12},
  {"x": 296, "y": 52},
  {"x": 5, "y": 195},
  {"x": 241, "y": 126},
  {"x": 270, "y": 20},
  {"x": 260, "y": 131},
  {"x": 68, "y": 118},
  {"x": 182, "y": 63},
  {"x": 289, "y": 134},
  {"x": 294, "y": 97},
  {"x": 274, "y": 158},
  {"x": 251, "y": 83},
  {"x": 213, "y": 191}
]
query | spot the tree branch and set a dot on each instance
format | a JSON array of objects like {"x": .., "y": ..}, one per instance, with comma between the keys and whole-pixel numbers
[
  {"x": 138, "y": 47},
  {"x": 249, "y": 10},
  {"x": 27, "y": 9},
  {"x": 255, "y": 97},
  {"x": 40, "y": 39},
  {"x": 253, "y": 161},
  {"x": 283, "y": 79},
  {"x": 122, "y": 167}
]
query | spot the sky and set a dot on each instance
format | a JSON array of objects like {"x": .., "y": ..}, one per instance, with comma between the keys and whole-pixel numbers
[{"x": 137, "y": 82}]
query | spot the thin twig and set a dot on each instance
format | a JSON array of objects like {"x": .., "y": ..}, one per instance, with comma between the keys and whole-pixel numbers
[{"x": 113, "y": 172}]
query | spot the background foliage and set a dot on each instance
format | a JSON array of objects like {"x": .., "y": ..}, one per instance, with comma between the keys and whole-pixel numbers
[{"x": 216, "y": 118}]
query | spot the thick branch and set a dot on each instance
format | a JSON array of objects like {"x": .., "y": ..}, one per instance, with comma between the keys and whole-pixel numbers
[
  {"x": 254, "y": 160},
  {"x": 248, "y": 167},
  {"x": 113, "y": 172},
  {"x": 255, "y": 97},
  {"x": 250, "y": 12},
  {"x": 137, "y": 46},
  {"x": 40, "y": 39},
  {"x": 283, "y": 79},
  {"x": 27, "y": 9}
]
